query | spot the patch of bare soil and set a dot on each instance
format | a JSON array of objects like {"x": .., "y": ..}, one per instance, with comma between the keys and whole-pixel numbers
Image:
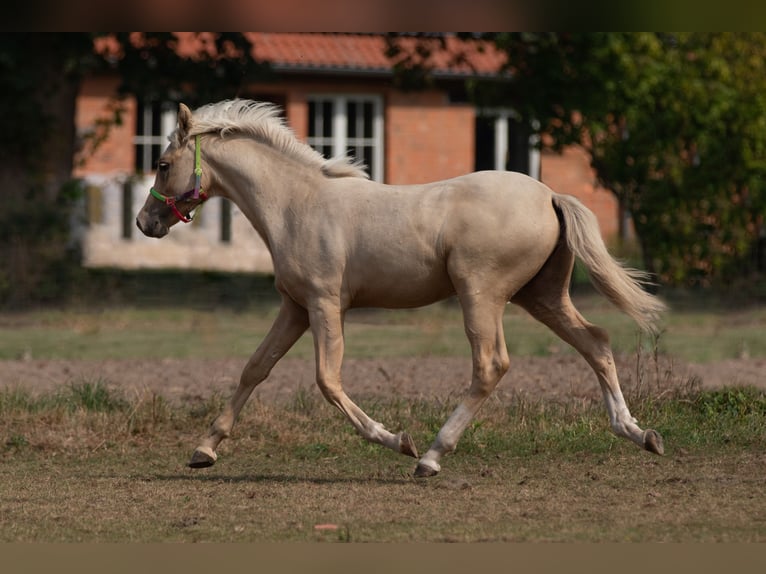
[{"x": 557, "y": 377}]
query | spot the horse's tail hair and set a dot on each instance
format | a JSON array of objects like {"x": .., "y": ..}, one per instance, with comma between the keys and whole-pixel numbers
[{"x": 621, "y": 285}]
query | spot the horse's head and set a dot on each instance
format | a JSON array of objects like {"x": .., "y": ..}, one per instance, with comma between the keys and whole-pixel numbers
[{"x": 177, "y": 189}]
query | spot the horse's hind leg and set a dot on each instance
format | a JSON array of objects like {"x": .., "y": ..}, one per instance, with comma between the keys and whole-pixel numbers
[
  {"x": 327, "y": 328},
  {"x": 290, "y": 324},
  {"x": 484, "y": 328},
  {"x": 547, "y": 299},
  {"x": 593, "y": 344}
]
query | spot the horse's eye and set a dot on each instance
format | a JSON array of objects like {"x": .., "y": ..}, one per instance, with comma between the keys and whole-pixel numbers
[{"x": 163, "y": 166}]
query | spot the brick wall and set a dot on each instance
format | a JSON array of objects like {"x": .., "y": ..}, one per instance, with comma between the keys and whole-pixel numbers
[
  {"x": 115, "y": 155},
  {"x": 427, "y": 138},
  {"x": 570, "y": 173}
]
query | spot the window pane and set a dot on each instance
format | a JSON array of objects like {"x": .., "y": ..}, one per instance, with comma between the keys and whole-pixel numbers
[
  {"x": 367, "y": 155},
  {"x": 139, "y": 159},
  {"x": 518, "y": 147},
  {"x": 156, "y": 153},
  {"x": 225, "y": 221},
  {"x": 94, "y": 202},
  {"x": 326, "y": 119},
  {"x": 156, "y": 119},
  {"x": 368, "y": 115},
  {"x": 485, "y": 143},
  {"x": 312, "y": 119},
  {"x": 128, "y": 217},
  {"x": 140, "y": 119},
  {"x": 351, "y": 119}
]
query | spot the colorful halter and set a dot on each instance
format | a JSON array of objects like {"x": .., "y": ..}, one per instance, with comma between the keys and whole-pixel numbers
[{"x": 195, "y": 193}]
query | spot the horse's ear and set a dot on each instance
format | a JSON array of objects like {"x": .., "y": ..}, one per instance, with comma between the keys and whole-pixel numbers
[{"x": 184, "y": 120}]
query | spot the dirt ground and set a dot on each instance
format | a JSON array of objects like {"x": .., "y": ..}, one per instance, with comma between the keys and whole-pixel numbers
[
  {"x": 78, "y": 489},
  {"x": 557, "y": 377}
]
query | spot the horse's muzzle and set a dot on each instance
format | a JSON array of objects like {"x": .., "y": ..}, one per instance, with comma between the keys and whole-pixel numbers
[{"x": 153, "y": 228}]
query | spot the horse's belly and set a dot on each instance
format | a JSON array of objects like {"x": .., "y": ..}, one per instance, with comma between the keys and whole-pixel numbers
[{"x": 399, "y": 290}]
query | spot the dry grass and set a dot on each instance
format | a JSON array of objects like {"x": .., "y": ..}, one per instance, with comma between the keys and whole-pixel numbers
[{"x": 83, "y": 465}]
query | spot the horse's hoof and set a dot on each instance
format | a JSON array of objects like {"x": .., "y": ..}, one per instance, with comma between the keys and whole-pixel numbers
[
  {"x": 202, "y": 458},
  {"x": 426, "y": 470},
  {"x": 653, "y": 442},
  {"x": 407, "y": 445}
]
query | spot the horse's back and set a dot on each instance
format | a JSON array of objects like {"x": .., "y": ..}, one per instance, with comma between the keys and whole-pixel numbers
[
  {"x": 504, "y": 187},
  {"x": 500, "y": 202}
]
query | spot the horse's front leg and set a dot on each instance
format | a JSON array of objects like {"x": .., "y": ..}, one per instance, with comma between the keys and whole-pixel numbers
[
  {"x": 327, "y": 328},
  {"x": 291, "y": 322}
]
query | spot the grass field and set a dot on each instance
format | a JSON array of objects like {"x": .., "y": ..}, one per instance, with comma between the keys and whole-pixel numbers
[
  {"x": 697, "y": 335},
  {"x": 85, "y": 463}
]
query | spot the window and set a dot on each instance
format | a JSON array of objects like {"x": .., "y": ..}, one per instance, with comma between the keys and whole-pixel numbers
[
  {"x": 348, "y": 125},
  {"x": 128, "y": 217},
  {"x": 225, "y": 236},
  {"x": 504, "y": 143},
  {"x": 94, "y": 204},
  {"x": 155, "y": 121}
]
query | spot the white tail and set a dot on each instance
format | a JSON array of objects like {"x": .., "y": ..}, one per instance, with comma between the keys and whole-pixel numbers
[{"x": 621, "y": 285}]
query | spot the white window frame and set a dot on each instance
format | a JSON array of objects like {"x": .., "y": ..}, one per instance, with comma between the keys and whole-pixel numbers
[
  {"x": 502, "y": 126},
  {"x": 339, "y": 141},
  {"x": 168, "y": 120}
]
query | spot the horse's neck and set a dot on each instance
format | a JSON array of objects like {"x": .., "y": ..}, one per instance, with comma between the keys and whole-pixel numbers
[{"x": 264, "y": 184}]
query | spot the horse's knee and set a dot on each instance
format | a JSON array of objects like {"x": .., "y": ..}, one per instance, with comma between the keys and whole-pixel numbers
[
  {"x": 496, "y": 370},
  {"x": 487, "y": 373}
]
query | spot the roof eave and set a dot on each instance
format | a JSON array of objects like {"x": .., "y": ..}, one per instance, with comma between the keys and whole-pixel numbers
[{"x": 380, "y": 72}]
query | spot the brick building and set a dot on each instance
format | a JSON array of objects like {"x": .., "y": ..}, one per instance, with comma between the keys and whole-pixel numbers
[{"x": 337, "y": 94}]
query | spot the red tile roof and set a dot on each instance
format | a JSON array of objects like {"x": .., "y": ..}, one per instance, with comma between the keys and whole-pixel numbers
[
  {"x": 367, "y": 53},
  {"x": 347, "y": 53}
]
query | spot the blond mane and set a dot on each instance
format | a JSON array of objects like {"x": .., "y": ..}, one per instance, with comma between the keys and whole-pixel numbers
[{"x": 262, "y": 121}]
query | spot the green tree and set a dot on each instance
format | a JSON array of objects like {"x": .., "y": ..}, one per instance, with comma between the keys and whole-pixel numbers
[
  {"x": 676, "y": 132},
  {"x": 40, "y": 76}
]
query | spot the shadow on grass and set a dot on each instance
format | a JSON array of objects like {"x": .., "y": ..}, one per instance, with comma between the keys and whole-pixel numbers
[{"x": 278, "y": 478}]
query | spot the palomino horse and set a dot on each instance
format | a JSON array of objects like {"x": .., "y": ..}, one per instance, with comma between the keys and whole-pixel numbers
[{"x": 339, "y": 240}]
